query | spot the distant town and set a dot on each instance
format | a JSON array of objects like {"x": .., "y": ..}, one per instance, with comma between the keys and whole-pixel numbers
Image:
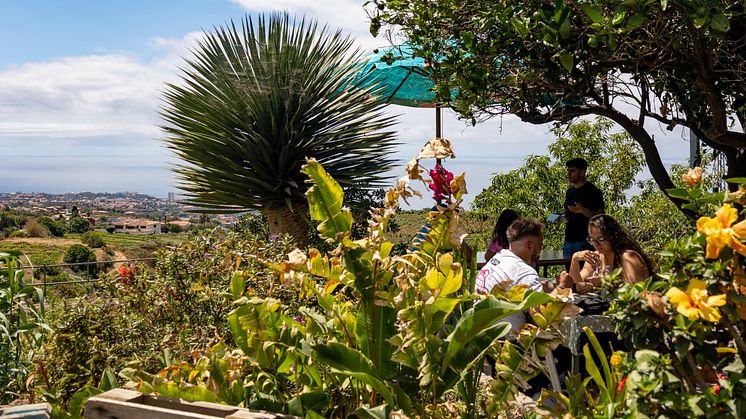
[{"x": 121, "y": 212}]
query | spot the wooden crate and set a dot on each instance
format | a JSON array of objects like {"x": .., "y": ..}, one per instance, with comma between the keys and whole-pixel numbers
[{"x": 128, "y": 404}]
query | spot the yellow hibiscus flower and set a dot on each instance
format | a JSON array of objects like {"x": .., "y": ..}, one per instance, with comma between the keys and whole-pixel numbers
[
  {"x": 696, "y": 302},
  {"x": 720, "y": 233}
]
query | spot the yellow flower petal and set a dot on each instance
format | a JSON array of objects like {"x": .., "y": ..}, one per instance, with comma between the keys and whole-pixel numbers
[
  {"x": 707, "y": 225},
  {"x": 716, "y": 300},
  {"x": 686, "y": 309},
  {"x": 716, "y": 242},
  {"x": 711, "y": 314},
  {"x": 739, "y": 230},
  {"x": 676, "y": 296},
  {"x": 695, "y": 284},
  {"x": 726, "y": 215},
  {"x": 738, "y": 246}
]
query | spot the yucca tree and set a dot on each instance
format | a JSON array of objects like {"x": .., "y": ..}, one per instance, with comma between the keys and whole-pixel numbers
[{"x": 255, "y": 101}]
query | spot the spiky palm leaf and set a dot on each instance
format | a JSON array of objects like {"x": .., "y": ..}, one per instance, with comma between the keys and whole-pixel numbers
[{"x": 255, "y": 102}]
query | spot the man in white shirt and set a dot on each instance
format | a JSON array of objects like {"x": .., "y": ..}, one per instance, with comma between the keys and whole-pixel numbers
[{"x": 515, "y": 264}]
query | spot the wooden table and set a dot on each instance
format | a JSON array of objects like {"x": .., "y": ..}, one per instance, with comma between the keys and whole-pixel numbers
[{"x": 547, "y": 258}]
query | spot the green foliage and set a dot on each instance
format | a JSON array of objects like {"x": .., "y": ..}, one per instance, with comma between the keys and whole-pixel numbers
[
  {"x": 252, "y": 225},
  {"x": 78, "y": 253},
  {"x": 147, "y": 317},
  {"x": 686, "y": 326},
  {"x": 35, "y": 229},
  {"x": 258, "y": 99},
  {"x": 93, "y": 240},
  {"x": 550, "y": 60},
  {"x": 377, "y": 332},
  {"x": 172, "y": 228},
  {"x": 78, "y": 224},
  {"x": 538, "y": 187},
  {"x": 10, "y": 222},
  {"x": 56, "y": 228},
  {"x": 22, "y": 327}
]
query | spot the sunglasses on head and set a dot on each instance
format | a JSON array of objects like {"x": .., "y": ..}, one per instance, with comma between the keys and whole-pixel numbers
[{"x": 600, "y": 240}]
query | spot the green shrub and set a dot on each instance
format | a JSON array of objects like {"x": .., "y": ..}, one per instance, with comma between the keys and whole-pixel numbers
[
  {"x": 22, "y": 326},
  {"x": 91, "y": 334},
  {"x": 56, "y": 228},
  {"x": 35, "y": 229},
  {"x": 78, "y": 224},
  {"x": 93, "y": 240},
  {"x": 78, "y": 253},
  {"x": 18, "y": 233}
]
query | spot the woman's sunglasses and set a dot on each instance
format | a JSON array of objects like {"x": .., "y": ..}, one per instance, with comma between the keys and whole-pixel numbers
[{"x": 597, "y": 241}]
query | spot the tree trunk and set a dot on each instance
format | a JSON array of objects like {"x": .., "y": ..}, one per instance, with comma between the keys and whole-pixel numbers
[{"x": 284, "y": 220}]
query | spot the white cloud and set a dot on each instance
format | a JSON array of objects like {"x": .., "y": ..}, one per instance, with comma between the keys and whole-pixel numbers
[{"x": 348, "y": 15}]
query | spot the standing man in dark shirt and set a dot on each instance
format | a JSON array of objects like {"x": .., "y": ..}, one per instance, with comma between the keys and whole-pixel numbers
[{"x": 583, "y": 200}]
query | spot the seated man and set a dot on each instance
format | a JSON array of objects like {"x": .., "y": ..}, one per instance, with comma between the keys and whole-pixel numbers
[{"x": 515, "y": 264}]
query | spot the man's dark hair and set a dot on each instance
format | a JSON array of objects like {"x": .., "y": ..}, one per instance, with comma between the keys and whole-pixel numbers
[
  {"x": 524, "y": 227},
  {"x": 578, "y": 163}
]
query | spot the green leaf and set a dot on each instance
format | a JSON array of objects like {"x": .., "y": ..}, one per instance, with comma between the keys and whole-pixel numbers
[
  {"x": 307, "y": 402},
  {"x": 737, "y": 180},
  {"x": 196, "y": 393},
  {"x": 635, "y": 21},
  {"x": 682, "y": 193},
  {"x": 719, "y": 23},
  {"x": 379, "y": 412},
  {"x": 619, "y": 17},
  {"x": 519, "y": 27},
  {"x": 325, "y": 202},
  {"x": 237, "y": 285},
  {"x": 483, "y": 316},
  {"x": 594, "y": 12},
  {"x": 567, "y": 61},
  {"x": 108, "y": 380},
  {"x": 354, "y": 364},
  {"x": 564, "y": 29},
  {"x": 77, "y": 401}
]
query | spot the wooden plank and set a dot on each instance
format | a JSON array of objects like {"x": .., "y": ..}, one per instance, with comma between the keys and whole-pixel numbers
[{"x": 128, "y": 404}]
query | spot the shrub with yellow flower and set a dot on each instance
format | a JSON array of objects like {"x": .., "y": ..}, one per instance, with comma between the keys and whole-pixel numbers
[
  {"x": 721, "y": 232},
  {"x": 696, "y": 302}
]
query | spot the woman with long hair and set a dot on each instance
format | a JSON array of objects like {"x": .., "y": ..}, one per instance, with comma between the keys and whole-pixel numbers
[
  {"x": 499, "y": 239},
  {"x": 614, "y": 248}
]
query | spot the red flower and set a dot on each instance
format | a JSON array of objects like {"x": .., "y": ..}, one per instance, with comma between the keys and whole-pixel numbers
[
  {"x": 716, "y": 388},
  {"x": 125, "y": 274},
  {"x": 441, "y": 184},
  {"x": 620, "y": 384}
]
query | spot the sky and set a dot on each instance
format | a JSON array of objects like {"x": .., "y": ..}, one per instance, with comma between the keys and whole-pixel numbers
[{"x": 81, "y": 83}]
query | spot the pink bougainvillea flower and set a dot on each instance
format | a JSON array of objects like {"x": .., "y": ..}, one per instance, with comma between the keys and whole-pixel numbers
[
  {"x": 695, "y": 302},
  {"x": 721, "y": 232},
  {"x": 441, "y": 182}
]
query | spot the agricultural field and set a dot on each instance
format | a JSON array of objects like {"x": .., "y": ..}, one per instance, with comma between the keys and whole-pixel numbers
[{"x": 45, "y": 251}]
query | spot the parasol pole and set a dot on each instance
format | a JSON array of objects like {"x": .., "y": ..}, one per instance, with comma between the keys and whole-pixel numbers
[{"x": 438, "y": 125}]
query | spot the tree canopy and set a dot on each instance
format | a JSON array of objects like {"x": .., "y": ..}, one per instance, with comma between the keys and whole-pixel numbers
[{"x": 636, "y": 62}]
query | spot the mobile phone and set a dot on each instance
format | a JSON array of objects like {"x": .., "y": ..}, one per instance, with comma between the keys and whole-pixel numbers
[{"x": 553, "y": 217}]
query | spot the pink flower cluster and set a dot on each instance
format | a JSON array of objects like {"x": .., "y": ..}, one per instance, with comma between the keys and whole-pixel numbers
[{"x": 441, "y": 184}]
